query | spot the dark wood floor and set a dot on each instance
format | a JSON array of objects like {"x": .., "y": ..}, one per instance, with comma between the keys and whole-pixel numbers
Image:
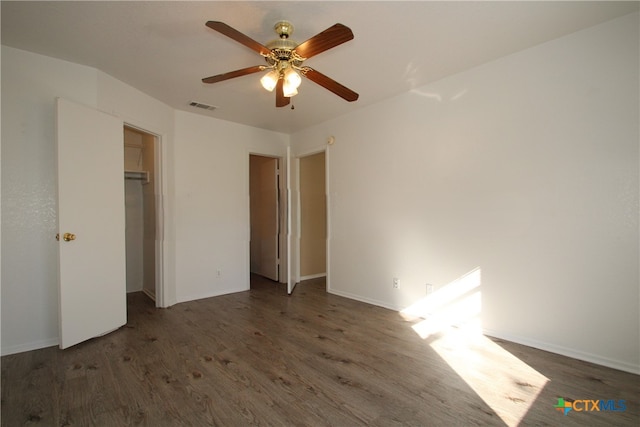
[{"x": 264, "y": 358}]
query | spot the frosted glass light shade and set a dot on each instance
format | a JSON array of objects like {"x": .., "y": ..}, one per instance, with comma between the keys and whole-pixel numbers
[
  {"x": 292, "y": 78},
  {"x": 269, "y": 80},
  {"x": 289, "y": 90}
]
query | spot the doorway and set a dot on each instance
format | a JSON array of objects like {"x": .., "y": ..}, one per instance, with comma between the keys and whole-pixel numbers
[
  {"x": 265, "y": 217},
  {"x": 141, "y": 217},
  {"x": 313, "y": 216}
]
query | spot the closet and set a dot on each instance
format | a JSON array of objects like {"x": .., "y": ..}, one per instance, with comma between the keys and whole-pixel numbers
[{"x": 140, "y": 215}]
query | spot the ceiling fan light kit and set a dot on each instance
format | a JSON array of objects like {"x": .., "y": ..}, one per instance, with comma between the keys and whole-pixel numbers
[{"x": 284, "y": 58}]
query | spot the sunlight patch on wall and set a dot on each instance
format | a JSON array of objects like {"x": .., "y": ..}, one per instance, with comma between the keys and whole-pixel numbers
[
  {"x": 458, "y": 303},
  {"x": 450, "y": 321}
]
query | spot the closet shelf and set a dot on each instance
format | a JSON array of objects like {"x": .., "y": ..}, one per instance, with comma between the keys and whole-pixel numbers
[{"x": 137, "y": 175}]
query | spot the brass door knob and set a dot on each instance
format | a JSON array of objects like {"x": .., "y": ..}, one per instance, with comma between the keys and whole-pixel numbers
[{"x": 67, "y": 237}]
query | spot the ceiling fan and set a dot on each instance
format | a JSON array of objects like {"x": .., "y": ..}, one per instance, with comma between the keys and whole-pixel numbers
[{"x": 284, "y": 59}]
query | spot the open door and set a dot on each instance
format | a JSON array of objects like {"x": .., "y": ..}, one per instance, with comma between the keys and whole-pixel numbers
[
  {"x": 291, "y": 281},
  {"x": 91, "y": 223}
]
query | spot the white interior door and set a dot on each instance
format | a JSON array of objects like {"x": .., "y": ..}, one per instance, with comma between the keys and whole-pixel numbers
[
  {"x": 291, "y": 278},
  {"x": 92, "y": 282}
]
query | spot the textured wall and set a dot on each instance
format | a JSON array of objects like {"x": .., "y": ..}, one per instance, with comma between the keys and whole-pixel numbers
[{"x": 524, "y": 172}]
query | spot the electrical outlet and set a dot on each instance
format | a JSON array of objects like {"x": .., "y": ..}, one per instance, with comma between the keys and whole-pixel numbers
[
  {"x": 396, "y": 283},
  {"x": 429, "y": 288}
]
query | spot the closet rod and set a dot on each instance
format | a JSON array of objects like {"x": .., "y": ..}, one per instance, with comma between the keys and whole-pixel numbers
[{"x": 137, "y": 176}]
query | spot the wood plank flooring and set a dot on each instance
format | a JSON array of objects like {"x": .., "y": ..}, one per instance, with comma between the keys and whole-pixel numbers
[{"x": 311, "y": 359}]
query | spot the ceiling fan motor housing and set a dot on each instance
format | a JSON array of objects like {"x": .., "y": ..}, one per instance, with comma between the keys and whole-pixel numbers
[
  {"x": 282, "y": 47},
  {"x": 283, "y": 29}
]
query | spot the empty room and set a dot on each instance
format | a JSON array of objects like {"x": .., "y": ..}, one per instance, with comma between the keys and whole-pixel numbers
[{"x": 320, "y": 213}]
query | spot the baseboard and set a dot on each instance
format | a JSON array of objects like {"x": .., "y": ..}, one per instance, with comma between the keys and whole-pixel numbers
[
  {"x": 35, "y": 345},
  {"x": 565, "y": 351},
  {"x": 313, "y": 276},
  {"x": 218, "y": 293},
  {"x": 363, "y": 299},
  {"x": 541, "y": 345},
  {"x": 136, "y": 288},
  {"x": 150, "y": 294}
]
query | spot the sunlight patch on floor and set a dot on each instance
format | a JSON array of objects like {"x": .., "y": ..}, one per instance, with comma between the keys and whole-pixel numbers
[{"x": 450, "y": 319}]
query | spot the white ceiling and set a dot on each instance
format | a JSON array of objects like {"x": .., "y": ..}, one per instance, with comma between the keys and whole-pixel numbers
[{"x": 164, "y": 48}]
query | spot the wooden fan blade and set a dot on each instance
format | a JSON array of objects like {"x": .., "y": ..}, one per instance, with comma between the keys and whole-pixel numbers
[
  {"x": 233, "y": 74},
  {"x": 330, "y": 84},
  {"x": 331, "y": 37},
  {"x": 281, "y": 100},
  {"x": 236, "y": 35}
]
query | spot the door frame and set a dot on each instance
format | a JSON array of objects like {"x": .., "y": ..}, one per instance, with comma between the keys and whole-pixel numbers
[
  {"x": 283, "y": 217},
  {"x": 298, "y": 211},
  {"x": 160, "y": 207}
]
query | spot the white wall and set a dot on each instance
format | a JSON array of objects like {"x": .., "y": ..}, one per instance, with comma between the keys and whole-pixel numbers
[
  {"x": 527, "y": 168},
  {"x": 30, "y": 84},
  {"x": 212, "y": 202},
  {"x": 205, "y": 173}
]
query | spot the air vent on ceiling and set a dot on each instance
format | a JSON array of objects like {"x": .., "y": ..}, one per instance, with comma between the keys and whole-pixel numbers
[{"x": 201, "y": 105}]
